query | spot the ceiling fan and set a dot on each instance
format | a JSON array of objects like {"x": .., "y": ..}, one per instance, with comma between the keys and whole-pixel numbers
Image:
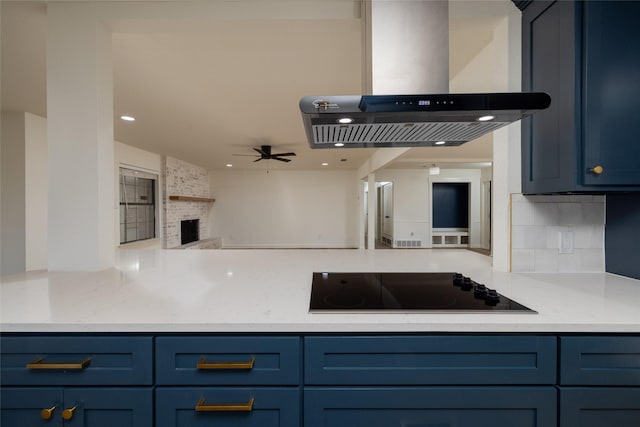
[{"x": 265, "y": 154}]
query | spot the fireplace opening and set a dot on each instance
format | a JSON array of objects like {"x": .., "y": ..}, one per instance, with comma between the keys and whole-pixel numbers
[{"x": 189, "y": 231}]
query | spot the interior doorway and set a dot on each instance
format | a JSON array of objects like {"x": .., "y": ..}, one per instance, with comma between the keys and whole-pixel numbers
[{"x": 384, "y": 226}]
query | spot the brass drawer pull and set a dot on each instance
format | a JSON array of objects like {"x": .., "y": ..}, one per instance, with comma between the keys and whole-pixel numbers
[
  {"x": 203, "y": 364},
  {"x": 39, "y": 363},
  {"x": 231, "y": 407}
]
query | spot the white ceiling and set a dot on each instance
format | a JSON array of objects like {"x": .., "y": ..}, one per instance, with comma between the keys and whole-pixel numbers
[{"x": 205, "y": 88}]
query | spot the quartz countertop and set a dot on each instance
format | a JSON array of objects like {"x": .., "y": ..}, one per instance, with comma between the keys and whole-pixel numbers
[{"x": 267, "y": 291}]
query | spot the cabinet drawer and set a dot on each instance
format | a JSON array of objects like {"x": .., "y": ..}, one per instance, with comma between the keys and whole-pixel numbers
[
  {"x": 229, "y": 406},
  {"x": 600, "y": 406},
  {"x": 37, "y": 360},
  {"x": 600, "y": 360},
  {"x": 430, "y": 406},
  {"x": 228, "y": 360},
  {"x": 445, "y": 360}
]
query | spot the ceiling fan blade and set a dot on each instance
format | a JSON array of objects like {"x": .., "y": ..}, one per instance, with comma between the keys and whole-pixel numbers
[
  {"x": 245, "y": 155},
  {"x": 259, "y": 151},
  {"x": 282, "y": 160},
  {"x": 257, "y": 160},
  {"x": 284, "y": 154}
]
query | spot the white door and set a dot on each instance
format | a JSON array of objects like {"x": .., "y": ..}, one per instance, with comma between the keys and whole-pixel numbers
[{"x": 386, "y": 219}]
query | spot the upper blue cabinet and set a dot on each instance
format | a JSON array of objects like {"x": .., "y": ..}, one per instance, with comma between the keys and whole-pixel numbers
[{"x": 585, "y": 55}]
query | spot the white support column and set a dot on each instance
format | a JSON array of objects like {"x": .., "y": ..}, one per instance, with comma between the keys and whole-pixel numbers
[
  {"x": 372, "y": 203},
  {"x": 410, "y": 46},
  {"x": 80, "y": 138}
]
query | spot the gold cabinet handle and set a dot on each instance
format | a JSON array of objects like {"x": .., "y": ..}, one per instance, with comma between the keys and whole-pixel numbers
[
  {"x": 203, "y": 364},
  {"x": 41, "y": 364},
  {"x": 230, "y": 407},
  {"x": 67, "y": 414},
  {"x": 596, "y": 170},
  {"x": 47, "y": 413}
]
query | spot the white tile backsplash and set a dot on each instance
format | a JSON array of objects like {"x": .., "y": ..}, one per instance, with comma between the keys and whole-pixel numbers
[{"x": 536, "y": 222}]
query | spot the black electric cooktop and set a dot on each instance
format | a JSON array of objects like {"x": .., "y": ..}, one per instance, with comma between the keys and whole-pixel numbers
[{"x": 406, "y": 292}]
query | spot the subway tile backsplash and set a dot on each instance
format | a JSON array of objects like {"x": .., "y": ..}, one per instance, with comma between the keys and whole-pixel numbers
[{"x": 536, "y": 224}]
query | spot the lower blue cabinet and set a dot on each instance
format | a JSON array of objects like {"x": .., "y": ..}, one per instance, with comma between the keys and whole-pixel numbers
[
  {"x": 228, "y": 406},
  {"x": 600, "y": 406},
  {"x": 86, "y": 407},
  {"x": 430, "y": 406}
]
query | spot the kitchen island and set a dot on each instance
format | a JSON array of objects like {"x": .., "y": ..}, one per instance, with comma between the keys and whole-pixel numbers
[
  {"x": 269, "y": 290},
  {"x": 190, "y": 338}
]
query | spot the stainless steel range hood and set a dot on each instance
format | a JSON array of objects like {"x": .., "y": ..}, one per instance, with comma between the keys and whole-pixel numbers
[{"x": 412, "y": 120}]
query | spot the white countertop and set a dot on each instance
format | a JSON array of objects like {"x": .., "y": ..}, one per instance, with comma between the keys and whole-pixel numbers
[{"x": 247, "y": 291}]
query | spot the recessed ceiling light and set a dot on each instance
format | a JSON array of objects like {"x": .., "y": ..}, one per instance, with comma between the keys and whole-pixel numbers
[
  {"x": 345, "y": 120},
  {"x": 486, "y": 118},
  {"x": 441, "y": 142},
  {"x": 338, "y": 144},
  {"x": 128, "y": 118},
  {"x": 325, "y": 164},
  {"x": 229, "y": 165}
]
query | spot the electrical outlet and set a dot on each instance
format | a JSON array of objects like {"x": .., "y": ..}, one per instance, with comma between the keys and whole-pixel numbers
[{"x": 565, "y": 245}]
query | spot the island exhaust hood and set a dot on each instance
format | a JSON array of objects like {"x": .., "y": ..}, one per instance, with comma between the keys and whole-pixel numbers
[{"x": 412, "y": 120}]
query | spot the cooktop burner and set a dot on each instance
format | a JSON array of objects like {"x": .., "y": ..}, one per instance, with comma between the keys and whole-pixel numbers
[{"x": 405, "y": 291}]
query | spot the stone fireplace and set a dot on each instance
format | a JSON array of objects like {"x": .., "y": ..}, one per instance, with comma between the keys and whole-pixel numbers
[{"x": 186, "y": 204}]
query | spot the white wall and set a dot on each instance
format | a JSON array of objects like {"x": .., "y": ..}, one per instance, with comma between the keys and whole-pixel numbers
[
  {"x": 13, "y": 194},
  {"x": 24, "y": 192},
  {"x": 285, "y": 209},
  {"x": 411, "y": 213},
  {"x": 36, "y": 192},
  {"x": 412, "y": 201}
]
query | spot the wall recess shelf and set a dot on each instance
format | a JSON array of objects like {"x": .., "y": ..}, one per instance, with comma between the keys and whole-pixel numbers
[{"x": 191, "y": 199}]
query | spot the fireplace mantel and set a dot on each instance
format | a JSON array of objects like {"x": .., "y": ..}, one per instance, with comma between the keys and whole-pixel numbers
[{"x": 191, "y": 199}]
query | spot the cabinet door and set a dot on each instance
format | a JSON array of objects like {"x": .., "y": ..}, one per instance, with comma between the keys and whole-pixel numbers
[
  {"x": 430, "y": 406},
  {"x": 108, "y": 407},
  {"x": 30, "y": 407},
  {"x": 611, "y": 90},
  {"x": 599, "y": 406},
  {"x": 227, "y": 407},
  {"x": 549, "y": 60}
]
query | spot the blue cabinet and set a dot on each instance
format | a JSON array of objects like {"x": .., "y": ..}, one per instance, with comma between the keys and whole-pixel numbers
[
  {"x": 90, "y": 381},
  {"x": 599, "y": 406},
  {"x": 242, "y": 381},
  {"x": 228, "y": 406},
  {"x": 599, "y": 381},
  {"x": 430, "y": 406},
  {"x": 430, "y": 360},
  {"x": 335, "y": 380},
  {"x": 584, "y": 54},
  {"x": 399, "y": 373}
]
